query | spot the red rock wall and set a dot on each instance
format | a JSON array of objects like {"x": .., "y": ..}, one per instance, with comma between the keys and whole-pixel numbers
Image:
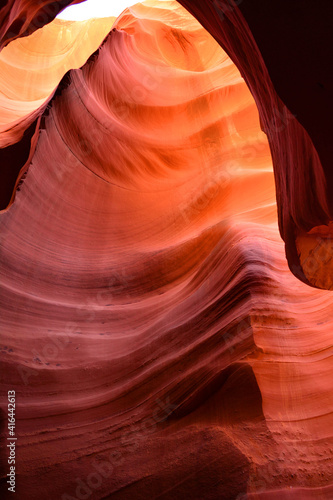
[
  {"x": 31, "y": 69},
  {"x": 23, "y": 17},
  {"x": 157, "y": 342},
  {"x": 302, "y": 184},
  {"x": 304, "y": 225}
]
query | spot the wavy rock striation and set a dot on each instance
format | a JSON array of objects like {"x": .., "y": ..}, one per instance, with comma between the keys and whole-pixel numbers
[
  {"x": 157, "y": 342},
  {"x": 20, "y": 18},
  {"x": 31, "y": 69},
  {"x": 300, "y": 174},
  {"x": 301, "y": 150}
]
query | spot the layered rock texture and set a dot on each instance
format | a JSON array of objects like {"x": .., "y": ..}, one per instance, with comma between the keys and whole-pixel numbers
[
  {"x": 158, "y": 344},
  {"x": 296, "y": 47},
  {"x": 31, "y": 69}
]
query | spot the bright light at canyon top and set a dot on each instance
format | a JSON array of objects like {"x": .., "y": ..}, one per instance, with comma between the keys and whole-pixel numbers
[{"x": 95, "y": 8}]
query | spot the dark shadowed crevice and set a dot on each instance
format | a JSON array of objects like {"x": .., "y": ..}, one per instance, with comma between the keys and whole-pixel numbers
[
  {"x": 234, "y": 392},
  {"x": 12, "y": 159}
]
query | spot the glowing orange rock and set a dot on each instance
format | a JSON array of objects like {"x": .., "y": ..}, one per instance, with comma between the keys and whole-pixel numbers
[
  {"x": 32, "y": 67},
  {"x": 157, "y": 342},
  {"x": 303, "y": 178},
  {"x": 295, "y": 153},
  {"x": 22, "y": 17}
]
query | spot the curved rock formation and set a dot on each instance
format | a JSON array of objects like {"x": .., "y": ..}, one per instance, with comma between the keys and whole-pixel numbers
[
  {"x": 300, "y": 160},
  {"x": 22, "y": 17},
  {"x": 157, "y": 342},
  {"x": 32, "y": 67},
  {"x": 300, "y": 174}
]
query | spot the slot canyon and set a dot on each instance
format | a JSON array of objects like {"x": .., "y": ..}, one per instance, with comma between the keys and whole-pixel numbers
[{"x": 166, "y": 251}]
